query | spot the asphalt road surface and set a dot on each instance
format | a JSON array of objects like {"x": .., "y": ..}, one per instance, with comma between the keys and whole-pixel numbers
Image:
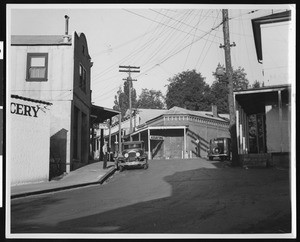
[{"x": 171, "y": 197}]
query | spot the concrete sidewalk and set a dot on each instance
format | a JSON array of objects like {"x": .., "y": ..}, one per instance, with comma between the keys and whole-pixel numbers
[{"x": 90, "y": 174}]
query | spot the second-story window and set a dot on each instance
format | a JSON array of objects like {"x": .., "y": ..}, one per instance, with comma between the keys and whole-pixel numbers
[
  {"x": 37, "y": 67},
  {"x": 82, "y": 78}
]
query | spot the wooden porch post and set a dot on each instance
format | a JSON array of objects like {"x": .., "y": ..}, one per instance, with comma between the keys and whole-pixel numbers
[
  {"x": 184, "y": 143},
  {"x": 149, "y": 149},
  {"x": 120, "y": 134},
  {"x": 280, "y": 118}
]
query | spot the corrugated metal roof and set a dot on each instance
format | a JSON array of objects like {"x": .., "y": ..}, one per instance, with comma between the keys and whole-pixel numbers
[{"x": 40, "y": 40}]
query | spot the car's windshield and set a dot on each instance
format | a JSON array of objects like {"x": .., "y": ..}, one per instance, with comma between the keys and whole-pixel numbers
[{"x": 131, "y": 146}]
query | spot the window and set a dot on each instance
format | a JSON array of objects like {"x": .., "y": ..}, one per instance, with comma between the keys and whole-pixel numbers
[
  {"x": 37, "y": 67},
  {"x": 82, "y": 78}
]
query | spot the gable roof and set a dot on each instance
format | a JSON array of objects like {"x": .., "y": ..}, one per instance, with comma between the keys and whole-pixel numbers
[
  {"x": 204, "y": 114},
  {"x": 182, "y": 111},
  {"x": 147, "y": 114},
  {"x": 40, "y": 40}
]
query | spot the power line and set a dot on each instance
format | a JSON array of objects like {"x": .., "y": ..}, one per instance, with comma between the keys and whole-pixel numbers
[
  {"x": 155, "y": 21},
  {"x": 208, "y": 47},
  {"x": 167, "y": 58}
]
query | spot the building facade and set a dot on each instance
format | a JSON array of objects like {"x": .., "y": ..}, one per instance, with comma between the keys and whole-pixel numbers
[
  {"x": 269, "y": 110},
  {"x": 29, "y": 140},
  {"x": 174, "y": 133},
  {"x": 57, "y": 69}
]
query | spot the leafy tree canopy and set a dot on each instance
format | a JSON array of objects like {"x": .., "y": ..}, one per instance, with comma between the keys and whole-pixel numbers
[
  {"x": 219, "y": 88},
  {"x": 257, "y": 84},
  {"x": 188, "y": 90},
  {"x": 122, "y": 99},
  {"x": 151, "y": 99}
]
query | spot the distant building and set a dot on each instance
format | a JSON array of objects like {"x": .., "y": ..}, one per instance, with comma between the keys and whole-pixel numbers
[{"x": 173, "y": 133}]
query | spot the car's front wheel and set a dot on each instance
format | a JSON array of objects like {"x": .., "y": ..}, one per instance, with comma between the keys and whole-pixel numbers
[{"x": 146, "y": 166}]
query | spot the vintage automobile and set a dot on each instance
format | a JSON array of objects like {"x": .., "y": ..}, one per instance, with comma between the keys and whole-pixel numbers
[
  {"x": 219, "y": 147},
  {"x": 133, "y": 155}
]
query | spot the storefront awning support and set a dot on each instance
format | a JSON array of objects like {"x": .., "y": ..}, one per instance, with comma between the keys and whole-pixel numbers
[
  {"x": 120, "y": 134},
  {"x": 149, "y": 149}
]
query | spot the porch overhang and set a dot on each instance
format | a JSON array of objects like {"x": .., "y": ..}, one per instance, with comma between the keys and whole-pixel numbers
[
  {"x": 100, "y": 114},
  {"x": 253, "y": 101},
  {"x": 158, "y": 128}
]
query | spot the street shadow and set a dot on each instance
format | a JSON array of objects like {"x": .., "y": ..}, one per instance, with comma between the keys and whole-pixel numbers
[{"x": 203, "y": 201}]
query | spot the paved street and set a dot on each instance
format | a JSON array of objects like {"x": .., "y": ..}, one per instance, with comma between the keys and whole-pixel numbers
[{"x": 173, "y": 196}]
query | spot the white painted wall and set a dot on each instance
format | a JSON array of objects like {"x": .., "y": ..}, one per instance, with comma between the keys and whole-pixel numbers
[
  {"x": 277, "y": 64},
  {"x": 30, "y": 145},
  {"x": 57, "y": 90},
  {"x": 59, "y": 86},
  {"x": 278, "y": 134}
]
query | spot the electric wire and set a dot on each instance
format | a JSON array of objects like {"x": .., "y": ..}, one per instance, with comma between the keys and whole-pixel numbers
[{"x": 209, "y": 45}]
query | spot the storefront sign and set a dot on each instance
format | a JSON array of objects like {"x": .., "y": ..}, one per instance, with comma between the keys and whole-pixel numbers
[
  {"x": 156, "y": 137},
  {"x": 22, "y": 109},
  {"x": 103, "y": 126}
]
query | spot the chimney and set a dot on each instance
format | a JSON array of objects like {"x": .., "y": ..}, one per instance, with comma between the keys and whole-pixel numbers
[
  {"x": 66, "y": 37},
  {"x": 214, "y": 110}
]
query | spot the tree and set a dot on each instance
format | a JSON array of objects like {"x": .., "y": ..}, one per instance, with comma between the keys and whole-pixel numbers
[
  {"x": 257, "y": 84},
  {"x": 151, "y": 99},
  {"x": 122, "y": 99},
  {"x": 240, "y": 82},
  {"x": 219, "y": 89},
  {"x": 188, "y": 90},
  {"x": 219, "y": 92}
]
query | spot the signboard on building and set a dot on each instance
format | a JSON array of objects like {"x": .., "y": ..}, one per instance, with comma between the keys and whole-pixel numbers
[
  {"x": 156, "y": 137},
  {"x": 103, "y": 126}
]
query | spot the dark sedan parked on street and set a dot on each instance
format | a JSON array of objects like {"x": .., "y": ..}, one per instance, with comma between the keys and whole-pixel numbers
[
  {"x": 220, "y": 148},
  {"x": 133, "y": 155}
]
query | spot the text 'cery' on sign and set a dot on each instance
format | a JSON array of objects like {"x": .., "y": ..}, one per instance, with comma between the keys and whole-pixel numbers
[{"x": 26, "y": 110}]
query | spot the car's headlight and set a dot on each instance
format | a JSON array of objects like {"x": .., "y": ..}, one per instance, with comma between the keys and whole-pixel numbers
[
  {"x": 126, "y": 155},
  {"x": 138, "y": 154}
]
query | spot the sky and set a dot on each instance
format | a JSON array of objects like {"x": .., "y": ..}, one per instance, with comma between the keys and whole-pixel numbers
[{"x": 163, "y": 40}]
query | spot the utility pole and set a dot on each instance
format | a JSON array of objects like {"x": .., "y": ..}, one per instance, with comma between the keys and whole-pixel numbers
[
  {"x": 129, "y": 70},
  {"x": 229, "y": 75}
]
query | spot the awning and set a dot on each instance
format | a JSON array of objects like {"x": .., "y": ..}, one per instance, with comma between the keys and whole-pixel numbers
[
  {"x": 158, "y": 128},
  {"x": 253, "y": 101},
  {"x": 100, "y": 114},
  {"x": 273, "y": 18}
]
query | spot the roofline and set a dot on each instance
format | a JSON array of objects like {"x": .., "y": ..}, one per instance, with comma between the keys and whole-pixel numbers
[
  {"x": 106, "y": 109},
  {"x": 30, "y": 99},
  {"x": 257, "y": 22},
  {"x": 221, "y": 119},
  {"x": 49, "y": 44},
  {"x": 263, "y": 89}
]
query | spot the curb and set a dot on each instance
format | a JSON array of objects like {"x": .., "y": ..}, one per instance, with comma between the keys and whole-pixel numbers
[{"x": 109, "y": 173}]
